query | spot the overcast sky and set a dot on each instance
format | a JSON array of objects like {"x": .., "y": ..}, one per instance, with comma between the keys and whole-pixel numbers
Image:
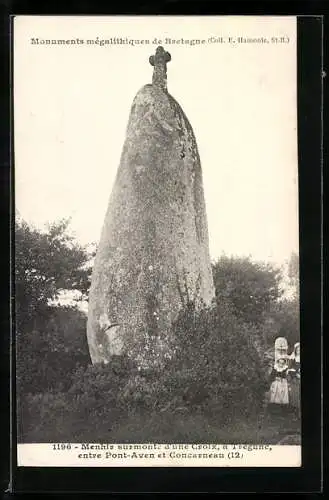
[{"x": 72, "y": 104}]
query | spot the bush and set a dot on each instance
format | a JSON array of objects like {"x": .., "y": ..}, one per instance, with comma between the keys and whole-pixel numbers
[
  {"x": 48, "y": 355},
  {"x": 216, "y": 373},
  {"x": 219, "y": 364},
  {"x": 87, "y": 411}
]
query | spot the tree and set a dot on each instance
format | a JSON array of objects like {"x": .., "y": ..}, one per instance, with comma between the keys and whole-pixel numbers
[
  {"x": 285, "y": 321},
  {"x": 251, "y": 287},
  {"x": 49, "y": 337},
  {"x": 293, "y": 274},
  {"x": 47, "y": 263}
]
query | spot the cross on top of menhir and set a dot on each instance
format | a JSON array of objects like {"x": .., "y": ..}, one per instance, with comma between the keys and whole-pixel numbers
[{"x": 159, "y": 62}]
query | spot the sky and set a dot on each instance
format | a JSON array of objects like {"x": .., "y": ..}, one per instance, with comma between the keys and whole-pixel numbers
[{"x": 72, "y": 103}]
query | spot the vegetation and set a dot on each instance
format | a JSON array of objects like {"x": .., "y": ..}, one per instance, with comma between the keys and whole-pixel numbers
[
  {"x": 214, "y": 381},
  {"x": 252, "y": 288},
  {"x": 46, "y": 264}
]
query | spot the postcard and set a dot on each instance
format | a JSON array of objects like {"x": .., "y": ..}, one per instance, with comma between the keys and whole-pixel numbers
[{"x": 156, "y": 241}]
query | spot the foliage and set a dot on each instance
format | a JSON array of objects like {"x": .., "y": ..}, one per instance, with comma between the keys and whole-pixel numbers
[
  {"x": 293, "y": 273},
  {"x": 58, "y": 417},
  {"x": 283, "y": 321},
  {"x": 48, "y": 338},
  {"x": 218, "y": 360},
  {"x": 251, "y": 287},
  {"x": 216, "y": 373},
  {"x": 49, "y": 354},
  {"x": 87, "y": 409},
  {"x": 46, "y": 263}
]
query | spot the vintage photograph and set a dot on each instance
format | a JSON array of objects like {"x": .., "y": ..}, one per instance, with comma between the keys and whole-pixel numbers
[{"x": 156, "y": 230}]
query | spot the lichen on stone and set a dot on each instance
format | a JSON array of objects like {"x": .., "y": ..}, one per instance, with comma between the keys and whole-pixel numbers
[{"x": 153, "y": 254}]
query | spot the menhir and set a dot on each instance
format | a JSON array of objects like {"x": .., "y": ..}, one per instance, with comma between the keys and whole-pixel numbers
[{"x": 153, "y": 256}]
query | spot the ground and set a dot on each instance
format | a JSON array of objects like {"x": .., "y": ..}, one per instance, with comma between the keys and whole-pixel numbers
[
  {"x": 267, "y": 428},
  {"x": 189, "y": 429}
]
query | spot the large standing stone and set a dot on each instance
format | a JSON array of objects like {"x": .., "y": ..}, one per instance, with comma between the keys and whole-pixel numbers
[{"x": 153, "y": 255}]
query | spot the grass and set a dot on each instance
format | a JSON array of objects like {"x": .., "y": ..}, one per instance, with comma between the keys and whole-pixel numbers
[
  {"x": 197, "y": 429},
  {"x": 168, "y": 428}
]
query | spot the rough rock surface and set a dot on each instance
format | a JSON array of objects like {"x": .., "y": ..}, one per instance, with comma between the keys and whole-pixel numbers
[{"x": 153, "y": 255}]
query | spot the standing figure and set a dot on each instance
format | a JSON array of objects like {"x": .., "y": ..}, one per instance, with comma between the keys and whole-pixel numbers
[
  {"x": 279, "y": 394},
  {"x": 280, "y": 348},
  {"x": 294, "y": 379}
]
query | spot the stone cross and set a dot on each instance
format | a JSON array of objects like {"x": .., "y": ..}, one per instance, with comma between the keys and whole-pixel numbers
[{"x": 159, "y": 62}]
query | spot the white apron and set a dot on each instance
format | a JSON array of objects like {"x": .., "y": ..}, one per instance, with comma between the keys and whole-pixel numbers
[{"x": 279, "y": 391}]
